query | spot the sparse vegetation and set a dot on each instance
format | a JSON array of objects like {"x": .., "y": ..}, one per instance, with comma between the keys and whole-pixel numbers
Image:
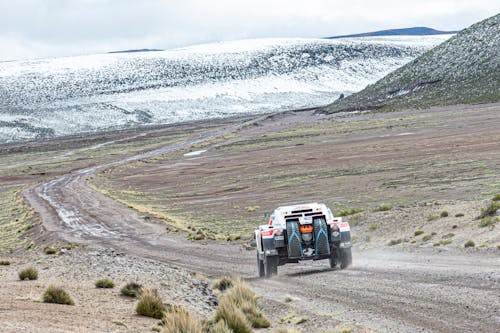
[
  {"x": 395, "y": 241},
  {"x": 302, "y": 320},
  {"x": 105, "y": 283},
  {"x": 373, "y": 226},
  {"x": 288, "y": 298},
  {"x": 431, "y": 218},
  {"x": 459, "y": 215},
  {"x": 445, "y": 241},
  {"x": 383, "y": 208},
  {"x": 496, "y": 197},
  {"x": 220, "y": 327},
  {"x": 131, "y": 289},
  {"x": 444, "y": 213},
  {"x": 469, "y": 243},
  {"x": 57, "y": 295},
  {"x": 150, "y": 304},
  {"x": 4, "y": 263},
  {"x": 418, "y": 232},
  {"x": 29, "y": 273}
]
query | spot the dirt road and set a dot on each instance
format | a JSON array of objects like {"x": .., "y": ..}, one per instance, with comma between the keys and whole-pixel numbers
[{"x": 386, "y": 289}]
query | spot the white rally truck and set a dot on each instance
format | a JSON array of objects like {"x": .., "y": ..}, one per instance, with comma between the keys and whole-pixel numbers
[{"x": 302, "y": 232}]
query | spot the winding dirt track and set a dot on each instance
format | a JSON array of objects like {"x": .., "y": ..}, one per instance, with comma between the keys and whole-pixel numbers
[{"x": 385, "y": 289}]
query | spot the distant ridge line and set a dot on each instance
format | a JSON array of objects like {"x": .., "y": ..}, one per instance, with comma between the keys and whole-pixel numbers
[
  {"x": 136, "y": 50},
  {"x": 415, "y": 31}
]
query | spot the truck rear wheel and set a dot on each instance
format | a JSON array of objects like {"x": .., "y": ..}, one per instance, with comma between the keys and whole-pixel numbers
[
  {"x": 333, "y": 259},
  {"x": 270, "y": 266},
  {"x": 345, "y": 258},
  {"x": 260, "y": 266}
]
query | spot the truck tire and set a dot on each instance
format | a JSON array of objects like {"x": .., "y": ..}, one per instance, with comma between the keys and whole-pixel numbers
[
  {"x": 321, "y": 237},
  {"x": 294, "y": 240},
  {"x": 270, "y": 266},
  {"x": 260, "y": 266},
  {"x": 345, "y": 258}
]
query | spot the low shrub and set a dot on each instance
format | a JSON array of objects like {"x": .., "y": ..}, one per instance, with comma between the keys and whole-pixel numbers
[
  {"x": 445, "y": 241},
  {"x": 131, "y": 289},
  {"x": 496, "y": 197},
  {"x": 459, "y": 215},
  {"x": 29, "y": 273},
  {"x": 395, "y": 242},
  {"x": 150, "y": 304},
  {"x": 105, "y": 283},
  {"x": 373, "y": 226},
  {"x": 4, "y": 263},
  {"x": 469, "y": 243},
  {"x": 223, "y": 283},
  {"x": 57, "y": 295},
  {"x": 444, "y": 214},
  {"x": 383, "y": 208},
  {"x": 418, "y": 232},
  {"x": 181, "y": 321}
]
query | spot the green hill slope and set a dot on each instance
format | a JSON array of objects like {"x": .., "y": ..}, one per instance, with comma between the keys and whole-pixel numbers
[{"x": 463, "y": 70}]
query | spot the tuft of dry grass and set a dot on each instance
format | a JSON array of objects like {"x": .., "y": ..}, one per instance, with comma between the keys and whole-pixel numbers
[
  {"x": 239, "y": 309},
  {"x": 131, "y": 289},
  {"x": 180, "y": 321},
  {"x": 220, "y": 327},
  {"x": 150, "y": 304},
  {"x": 4, "y": 263},
  {"x": 57, "y": 295},
  {"x": 469, "y": 243},
  {"x": 105, "y": 283},
  {"x": 223, "y": 283},
  {"x": 29, "y": 273}
]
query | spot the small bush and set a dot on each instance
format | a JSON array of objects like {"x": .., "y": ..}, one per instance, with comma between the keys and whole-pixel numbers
[
  {"x": 418, "y": 232},
  {"x": 29, "y": 273},
  {"x": 150, "y": 304},
  {"x": 288, "y": 299},
  {"x": 131, "y": 289},
  {"x": 459, "y": 215},
  {"x": 285, "y": 330},
  {"x": 469, "y": 243},
  {"x": 57, "y": 295},
  {"x": 50, "y": 250},
  {"x": 496, "y": 197},
  {"x": 444, "y": 214},
  {"x": 395, "y": 241},
  {"x": 105, "y": 283},
  {"x": 426, "y": 238},
  {"x": 4, "y": 263},
  {"x": 445, "y": 241},
  {"x": 181, "y": 321},
  {"x": 302, "y": 320},
  {"x": 223, "y": 283},
  {"x": 373, "y": 226},
  {"x": 383, "y": 208}
]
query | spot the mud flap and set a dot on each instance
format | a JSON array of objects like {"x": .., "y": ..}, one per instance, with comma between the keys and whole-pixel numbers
[
  {"x": 321, "y": 237},
  {"x": 294, "y": 242}
]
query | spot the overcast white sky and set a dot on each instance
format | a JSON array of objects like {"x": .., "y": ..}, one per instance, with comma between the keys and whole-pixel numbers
[{"x": 44, "y": 28}]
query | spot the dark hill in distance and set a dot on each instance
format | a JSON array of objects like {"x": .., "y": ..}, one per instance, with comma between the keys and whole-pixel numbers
[
  {"x": 136, "y": 50},
  {"x": 465, "y": 69},
  {"x": 415, "y": 31}
]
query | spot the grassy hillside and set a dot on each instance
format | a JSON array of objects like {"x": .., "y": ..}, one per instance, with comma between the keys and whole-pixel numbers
[{"x": 463, "y": 70}]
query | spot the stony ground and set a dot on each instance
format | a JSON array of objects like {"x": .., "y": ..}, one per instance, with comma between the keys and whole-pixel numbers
[{"x": 144, "y": 196}]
